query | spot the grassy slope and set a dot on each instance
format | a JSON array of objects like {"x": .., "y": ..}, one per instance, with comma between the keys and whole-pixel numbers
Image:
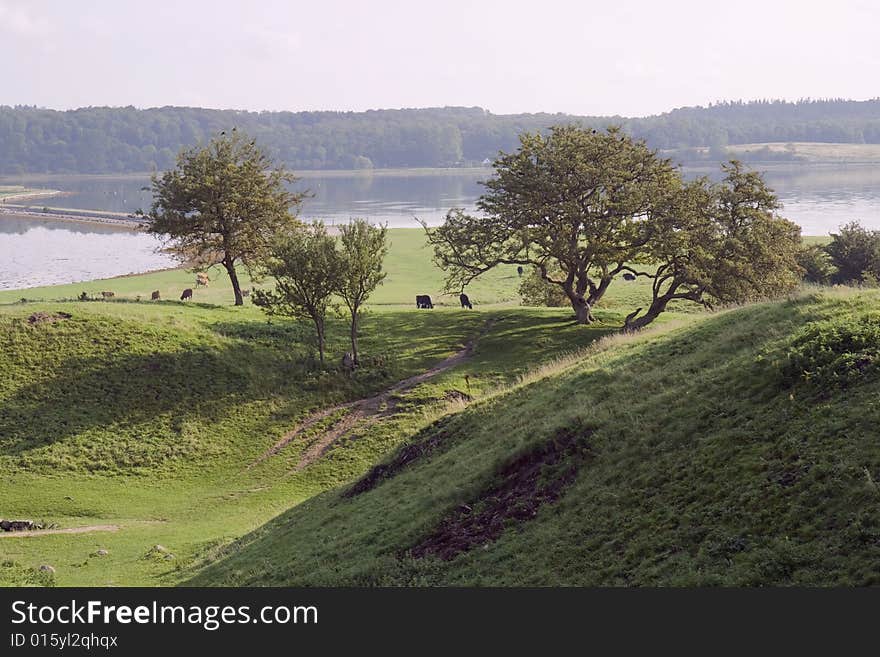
[
  {"x": 710, "y": 467},
  {"x": 146, "y": 415}
]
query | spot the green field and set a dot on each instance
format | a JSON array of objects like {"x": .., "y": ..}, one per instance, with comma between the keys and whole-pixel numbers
[{"x": 813, "y": 151}]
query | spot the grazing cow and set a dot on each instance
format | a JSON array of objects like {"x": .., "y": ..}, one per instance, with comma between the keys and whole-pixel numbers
[
  {"x": 155, "y": 295},
  {"x": 423, "y": 301},
  {"x": 107, "y": 295},
  {"x": 520, "y": 270},
  {"x": 629, "y": 277},
  {"x": 187, "y": 294},
  {"x": 465, "y": 302},
  {"x": 202, "y": 280}
]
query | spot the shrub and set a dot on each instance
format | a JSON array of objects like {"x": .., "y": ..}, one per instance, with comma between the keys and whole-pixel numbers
[
  {"x": 855, "y": 252},
  {"x": 535, "y": 291},
  {"x": 835, "y": 353},
  {"x": 816, "y": 263}
]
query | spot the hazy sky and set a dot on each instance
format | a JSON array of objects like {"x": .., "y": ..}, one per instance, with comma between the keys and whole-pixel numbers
[{"x": 608, "y": 57}]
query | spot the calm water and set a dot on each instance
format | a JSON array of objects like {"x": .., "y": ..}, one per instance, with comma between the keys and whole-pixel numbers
[
  {"x": 36, "y": 253},
  {"x": 818, "y": 198}
]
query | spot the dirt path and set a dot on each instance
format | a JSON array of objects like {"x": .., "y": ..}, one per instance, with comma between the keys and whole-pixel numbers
[
  {"x": 69, "y": 530},
  {"x": 363, "y": 412}
]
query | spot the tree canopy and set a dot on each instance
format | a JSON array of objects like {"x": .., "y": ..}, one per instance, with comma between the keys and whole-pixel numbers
[
  {"x": 582, "y": 206},
  {"x": 363, "y": 249},
  {"x": 125, "y": 139},
  {"x": 224, "y": 203},
  {"x": 305, "y": 265},
  {"x": 718, "y": 243},
  {"x": 572, "y": 202}
]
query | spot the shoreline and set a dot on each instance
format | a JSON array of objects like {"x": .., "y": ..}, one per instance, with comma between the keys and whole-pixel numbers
[
  {"x": 85, "y": 282},
  {"x": 30, "y": 194},
  {"x": 114, "y": 220},
  {"x": 59, "y": 217}
]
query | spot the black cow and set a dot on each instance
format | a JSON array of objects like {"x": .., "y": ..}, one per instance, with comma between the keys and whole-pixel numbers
[
  {"x": 155, "y": 296},
  {"x": 187, "y": 294},
  {"x": 465, "y": 302},
  {"x": 423, "y": 301},
  {"x": 629, "y": 277}
]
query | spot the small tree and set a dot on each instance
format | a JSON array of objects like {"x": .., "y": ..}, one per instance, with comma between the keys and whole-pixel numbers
[
  {"x": 363, "y": 250},
  {"x": 305, "y": 265},
  {"x": 855, "y": 251},
  {"x": 223, "y": 203}
]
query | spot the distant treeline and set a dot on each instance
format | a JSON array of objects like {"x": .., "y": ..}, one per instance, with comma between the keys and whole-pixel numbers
[{"x": 125, "y": 139}]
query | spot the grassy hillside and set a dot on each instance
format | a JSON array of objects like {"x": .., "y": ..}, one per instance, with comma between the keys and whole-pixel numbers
[
  {"x": 696, "y": 453},
  {"x": 142, "y": 423},
  {"x": 738, "y": 448}
]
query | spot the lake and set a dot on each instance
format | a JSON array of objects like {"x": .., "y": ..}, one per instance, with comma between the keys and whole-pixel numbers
[{"x": 817, "y": 197}]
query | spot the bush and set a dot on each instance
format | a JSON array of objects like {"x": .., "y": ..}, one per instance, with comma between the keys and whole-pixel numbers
[
  {"x": 816, "y": 264},
  {"x": 535, "y": 291},
  {"x": 855, "y": 252},
  {"x": 835, "y": 353}
]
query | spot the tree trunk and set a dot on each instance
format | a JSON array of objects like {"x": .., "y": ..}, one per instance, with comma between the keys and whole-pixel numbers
[
  {"x": 354, "y": 336},
  {"x": 581, "y": 309},
  {"x": 582, "y": 306},
  {"x": 632, "y": 324},
  {"x": 233, "y": 278},
  {"x": 319, "y": 331},
  {"x": 599, "y": 291}
]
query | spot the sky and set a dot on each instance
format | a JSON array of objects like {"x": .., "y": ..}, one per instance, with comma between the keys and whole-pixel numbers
[{"x": 620, "y": 57}]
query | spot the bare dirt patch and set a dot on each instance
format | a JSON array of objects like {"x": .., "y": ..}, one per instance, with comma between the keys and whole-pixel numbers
[
  {"x": 68, "y": 530},
  {"x": 521, "y": 488},
  {"x": 428, "y": 443},
  {"x": 48, "y": 318}
]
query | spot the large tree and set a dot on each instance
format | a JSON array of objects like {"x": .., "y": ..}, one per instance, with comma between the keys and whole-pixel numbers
[
  {"x": 583, "y": 207},
  {"x": 574, "y": 201},
  {"x": 223, "y": 204},
  {"x": 363, "y": 248},
  {"x": 306, "y": 266},
  {"x": 717, "y": 243}
]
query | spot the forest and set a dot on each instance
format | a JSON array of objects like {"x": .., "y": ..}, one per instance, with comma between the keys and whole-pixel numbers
[{"x": 126, "y": 139}]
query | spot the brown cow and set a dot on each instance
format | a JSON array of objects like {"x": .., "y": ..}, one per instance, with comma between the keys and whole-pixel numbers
[
  {"x": 155, "y": 295},
  {"x": 108, "y": 295},
  {"x": 187, "y": 294}
]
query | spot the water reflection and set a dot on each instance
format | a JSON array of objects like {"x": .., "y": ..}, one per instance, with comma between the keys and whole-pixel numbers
[
  {"x": 36, "y": 253},
  {"x": 819, "y": 198}
]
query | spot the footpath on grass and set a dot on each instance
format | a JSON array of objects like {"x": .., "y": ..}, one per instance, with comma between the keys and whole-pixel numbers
[{"x": 361, "y": 413}]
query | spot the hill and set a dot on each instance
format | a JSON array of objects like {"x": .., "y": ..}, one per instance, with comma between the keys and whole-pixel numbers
[
  {"x": 129, "y": 424},
  {"x": 125, "y": 139},
  {"x": 737, "y": 448}
]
